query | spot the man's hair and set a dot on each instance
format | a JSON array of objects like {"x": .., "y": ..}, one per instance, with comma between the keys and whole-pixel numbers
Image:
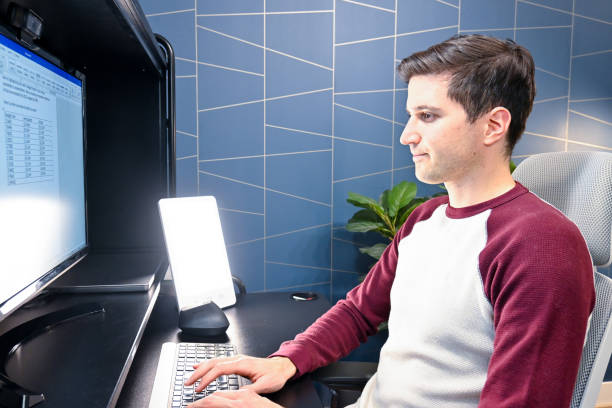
[{"x": 484, "y": 73}]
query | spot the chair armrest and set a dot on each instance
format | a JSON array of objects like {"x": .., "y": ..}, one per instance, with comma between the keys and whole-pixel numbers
[{"x": 345, "y": 375}]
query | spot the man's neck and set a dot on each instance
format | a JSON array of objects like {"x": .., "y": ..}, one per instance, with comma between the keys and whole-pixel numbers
[{"x": 480, "y": 188}]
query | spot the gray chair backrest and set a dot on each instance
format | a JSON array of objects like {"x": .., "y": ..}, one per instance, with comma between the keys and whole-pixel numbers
[
  {"x": 579, "y": 184},
  {"x": 597, "y": 349}
]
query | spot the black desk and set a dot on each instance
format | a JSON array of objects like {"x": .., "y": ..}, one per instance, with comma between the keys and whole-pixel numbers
[
  {"x": 82, "y": 362},
  {"x": 258, "y": 324}
]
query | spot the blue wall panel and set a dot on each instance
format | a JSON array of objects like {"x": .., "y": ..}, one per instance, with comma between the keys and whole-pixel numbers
[
  {"x": 240, "y": 226},
  {"x": 227, "y": 6},
  {"x": 288, "y": 276},
  {"x": 310, "y": 112},
  {"x": 349, "y": 159},
  {"x": 343, "y": 282},
  {"x": 249, "y": 170},
  {"x": 298, "y": 5},
  {"x": 419, "y": 15},
  {"x": 550, "y": 48},
  {"x": 483, "y": 14},
  {"x": 286, "y": 213},
  {"x": 187, "y": 177},
  {"x": 223, "y": 87},
  {"x": 529, "y": 15},
  {"x": 218, "y": 49},
  {"x": 550, "y": 86},
  {"x": 287, "y": 76},
  {"x": 304, "y": 175},
  {"x": 563, "y": 5},
  {"x": 306, "y": 35},
  {"x": 186, "y": 146},
  {"x": 245, "y": 27},
  {"x": 376, "y": 103},
  {"x": 281, "y": 140},
  {"x": 381, "y": 23},
  {"x": 548, "y": 118},
  {"x": 591, "y": 36},
  {"x": 365, "y": 66},
  {"x": 410, "y": 43},
  {"x": 178, "y": 28},
  {"x": 601, "y": 10},
  {"x": 285, "y": 106},
  {"x": 232, "y": 194},
  {"x": 247, "y": 262},
  {"x": 186, "y": 114},
  {"x": 591, "y": 76},
  {"x": 308, "y": 247},
  {"x": 231, "y": 132},
  {"x": 354, "y": 125},
  {"x": 590, "y": 130}
]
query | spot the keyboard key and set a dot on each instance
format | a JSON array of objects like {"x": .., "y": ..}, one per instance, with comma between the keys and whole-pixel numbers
[{"x": 190, "y": 354}]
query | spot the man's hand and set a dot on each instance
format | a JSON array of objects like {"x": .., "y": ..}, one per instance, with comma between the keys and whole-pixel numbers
[
  {"x": 266, "y": 374},
  {"x": 234, "y": 399}
]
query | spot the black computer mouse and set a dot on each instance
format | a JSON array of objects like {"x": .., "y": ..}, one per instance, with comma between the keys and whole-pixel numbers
[{"x": 204, "y": 320}]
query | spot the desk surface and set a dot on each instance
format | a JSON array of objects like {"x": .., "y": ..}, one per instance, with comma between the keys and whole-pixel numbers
[
  {"x": 81, "y": 362},
  {"x": 259, "y": 322}
]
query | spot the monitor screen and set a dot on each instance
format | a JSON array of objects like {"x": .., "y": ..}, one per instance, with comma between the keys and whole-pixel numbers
[{"x": 42, "y": 187}]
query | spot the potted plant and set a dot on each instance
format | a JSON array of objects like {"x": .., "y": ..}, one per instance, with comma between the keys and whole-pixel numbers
[{"x": 386, "y": 215}]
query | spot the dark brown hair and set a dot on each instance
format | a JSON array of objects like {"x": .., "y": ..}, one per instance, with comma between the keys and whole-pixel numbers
[{"x": 484, "y": 73}]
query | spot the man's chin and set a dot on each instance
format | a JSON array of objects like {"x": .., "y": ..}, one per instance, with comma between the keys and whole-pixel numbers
[{"x": 427, "y": 178}]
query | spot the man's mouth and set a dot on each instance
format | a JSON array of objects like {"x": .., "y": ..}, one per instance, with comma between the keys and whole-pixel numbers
[{"x": 419, "y": 156}]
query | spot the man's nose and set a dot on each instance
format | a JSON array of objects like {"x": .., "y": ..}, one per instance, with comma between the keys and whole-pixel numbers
[{"x": 410, "y": 135}]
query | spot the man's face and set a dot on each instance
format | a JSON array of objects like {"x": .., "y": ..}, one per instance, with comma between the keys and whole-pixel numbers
[{"x": 445, "y": 146}]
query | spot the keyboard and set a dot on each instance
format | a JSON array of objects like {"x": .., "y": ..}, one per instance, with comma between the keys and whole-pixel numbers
[{"x": 176, "y": 366}]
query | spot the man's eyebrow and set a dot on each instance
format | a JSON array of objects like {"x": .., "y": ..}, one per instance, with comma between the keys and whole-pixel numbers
[{"x": 425, "y": 107}]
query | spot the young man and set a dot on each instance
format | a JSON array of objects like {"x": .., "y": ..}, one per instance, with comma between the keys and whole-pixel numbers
[{"x": 487, "y": 291}]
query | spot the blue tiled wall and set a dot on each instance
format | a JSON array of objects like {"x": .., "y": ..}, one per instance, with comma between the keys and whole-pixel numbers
[{"x": 284, "y": 106}]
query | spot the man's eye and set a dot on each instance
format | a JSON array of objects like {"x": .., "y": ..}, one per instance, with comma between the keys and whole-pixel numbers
[{"x": 427, "y": 116}]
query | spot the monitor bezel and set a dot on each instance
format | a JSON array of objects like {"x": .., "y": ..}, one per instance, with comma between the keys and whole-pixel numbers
[{"x": 34, "y": 288}]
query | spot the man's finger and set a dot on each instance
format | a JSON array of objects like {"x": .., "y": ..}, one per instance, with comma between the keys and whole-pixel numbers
[
  {"x": 204, "y": 366},
  {"x": 200, "y": 370},
  {"x": 213, "y": 401},
  {"x": 222, "y": 368},
  {"x": 230, "y": 395}
]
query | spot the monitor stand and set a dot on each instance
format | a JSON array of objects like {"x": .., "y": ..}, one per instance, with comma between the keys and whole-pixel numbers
[
  {"x": 13, "y": 395},
  {"x": 111, "y": 272}
]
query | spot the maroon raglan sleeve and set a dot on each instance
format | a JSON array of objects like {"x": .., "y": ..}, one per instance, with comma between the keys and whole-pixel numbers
[
  {"x": 538, "y": 275},
  {"x": 350, "y": 321}
]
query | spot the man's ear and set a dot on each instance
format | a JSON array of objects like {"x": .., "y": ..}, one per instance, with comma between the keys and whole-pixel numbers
[{"x": 498, "y": 121}]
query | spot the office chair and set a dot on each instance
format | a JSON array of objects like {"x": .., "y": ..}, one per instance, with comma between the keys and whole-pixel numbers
[{"x": 580, "y": 185}]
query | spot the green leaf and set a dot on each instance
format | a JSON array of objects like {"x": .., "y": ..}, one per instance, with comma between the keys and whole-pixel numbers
[
  {"x": 363, "y": 226},
  {"x": 375, "y": 251},
  {"x": 405, "y": 212},
  {"x": 383, "y": 200},
  {"x": 359, "y": 200},
  {"x": 386, "y": 232},
  {"x": 400, "y": 196},
  {"x": 365, "y": 215}
]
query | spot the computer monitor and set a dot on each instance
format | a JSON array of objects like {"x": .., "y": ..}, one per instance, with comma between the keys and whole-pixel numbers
[{"x": 43, "y": 228}]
